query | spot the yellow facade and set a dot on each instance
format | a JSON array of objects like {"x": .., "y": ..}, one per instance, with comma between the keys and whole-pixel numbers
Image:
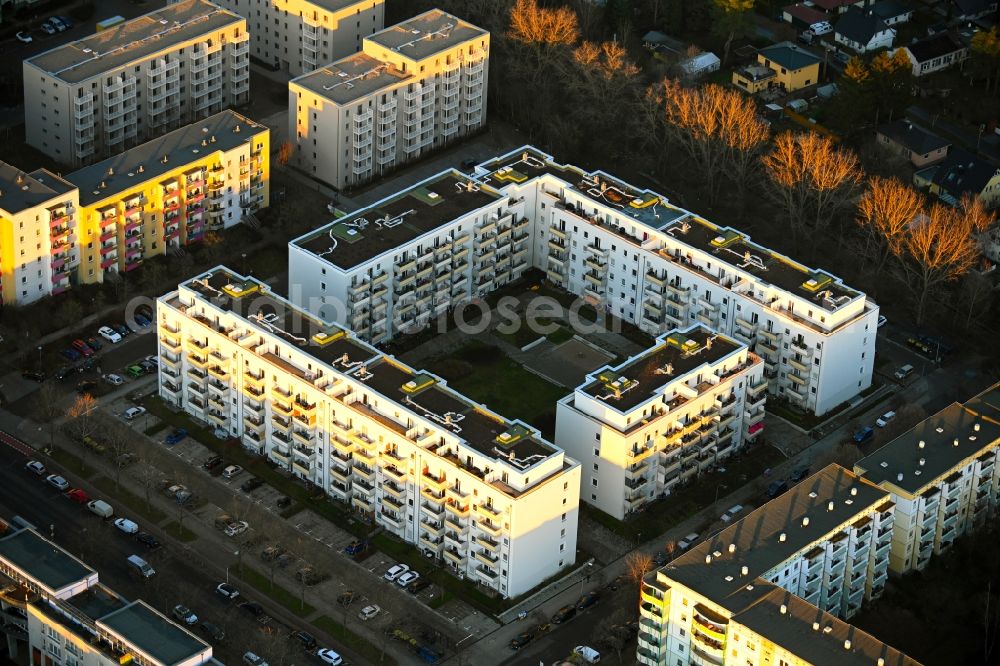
[{"x": 767, "y": 73}]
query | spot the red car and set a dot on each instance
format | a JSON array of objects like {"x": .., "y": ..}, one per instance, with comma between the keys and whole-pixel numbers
[
  {"x": 77, "y": 495},
  {"x": 82, "y": 347}
]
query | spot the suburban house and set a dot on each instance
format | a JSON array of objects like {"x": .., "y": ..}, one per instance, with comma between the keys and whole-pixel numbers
[
  {"x": 961, "y": 173},
  {"x": 659, "y": 42},
  {"x": 802, "y": 16},
  {"x": 970, "y": 10},
  {"x": 834, "y": 7},
  {"x": 699, "y": 65},
  {"x": 904, "y": 138},
  {"x": 893, "y": 12},
  {"x": 934, "y": 53},
  {"x": 862, "y": 31},
  {"x": 783, "y": 65}
]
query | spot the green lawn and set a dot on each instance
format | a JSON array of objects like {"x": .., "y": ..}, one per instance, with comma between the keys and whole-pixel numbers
[
  {"x": 288, "y": 599},
  {"x": 179, "y": 532},
  {"x": 73, "y": 462},
  {"x": 371, "y": 652}
]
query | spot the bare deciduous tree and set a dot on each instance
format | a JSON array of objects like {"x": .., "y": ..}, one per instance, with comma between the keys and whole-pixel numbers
[{"x": 885, "y": 210}]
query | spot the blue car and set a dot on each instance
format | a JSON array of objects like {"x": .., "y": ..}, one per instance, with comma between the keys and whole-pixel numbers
[
  {"x": 864, "y": 434},
  {"x": 142, "y": 321},
  {"x": 70, "y": 354},
  {"x": 176, "y": 436}
]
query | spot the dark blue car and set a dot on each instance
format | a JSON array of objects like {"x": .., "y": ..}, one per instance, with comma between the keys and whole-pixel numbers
[
  {"x": 176, "y": 436},
  {"x": 864, "y": 434},
  {"x": 70, "y": 354}
]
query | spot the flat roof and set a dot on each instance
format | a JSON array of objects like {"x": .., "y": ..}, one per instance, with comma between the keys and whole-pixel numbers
[
  {"x": 758, "y": 541},
  {"x": 45, "y": 562},
  {"x": 426, "y": 34},
  {"x": 654, "y": 211},
  {"x": 133, "y": 40},
  {"x": 675, "y": 356},
  {"x": 973, "y": 426},
  {"x": 397, "y": 220},
  {"x": 153, "y": 633},
  {"x": 789, "y": 621},
  {"x": 20, "y": 190},
  {"x": 351, "y": 78},
  {"x": 96, "y": 602},
  {"x": 223, "y": 131}
]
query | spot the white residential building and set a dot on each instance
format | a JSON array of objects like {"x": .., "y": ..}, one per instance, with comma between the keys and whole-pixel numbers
[
  {"x": 97, "y": 96},
  {"x": 39, "y": 235},
  {"x": 943, "y": 476},
  {"x": 487, "y": 496},
  {"x": 661, "y": 418},
  {"x": 412, "y": 87},
  {"x": 54, "y": 604},
  {"x": 297, "y": 36},
  {"x": 748, "y": 594},
  {"x": 625, "y": 250}
]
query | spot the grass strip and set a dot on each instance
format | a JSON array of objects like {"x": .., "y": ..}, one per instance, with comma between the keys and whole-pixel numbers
[
  {"x": 131, "y": 500},
  {"x": 287, "y": 599},
  {"x": 359, "y": 644}
]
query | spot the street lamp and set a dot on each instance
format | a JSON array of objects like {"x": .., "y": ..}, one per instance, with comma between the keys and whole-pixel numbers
[
  {"x": 585, "y": 578},
  {"x": 39, "y": 357},
  {"x": 237, "y": 553}
]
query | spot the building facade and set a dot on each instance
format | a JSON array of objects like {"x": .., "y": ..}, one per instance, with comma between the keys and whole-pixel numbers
[
  {"x": 166, "y": 193},
  {"x": 412, "y": 87},
  {"x": 785, "y": 66},
  {"x": 98, "y": 96},
  {"x": 39, "y": 235},
  {"x": 625, "y": 250},
  {"x": 660, "y": 419},
  {"x": 484, "y": 495},
  {"x": 748, "y": 594},
  {"x": 56, "y": 608},
  {"x": 297, "y": 36},
  {"x": 943, "y": 476}
]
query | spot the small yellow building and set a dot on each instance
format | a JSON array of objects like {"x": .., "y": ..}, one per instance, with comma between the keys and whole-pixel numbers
[{"x": 784, "y": 66}]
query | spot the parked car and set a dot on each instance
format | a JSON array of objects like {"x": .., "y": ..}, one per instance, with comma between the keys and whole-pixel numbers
[
  {"x": 24, "y": 37},
  {"x": 153, "y": 360},
  {"x": 57, "y": 482},
  {"x": 355, "y": 547},
  {"x": 904, "y": 372},
  {"x": 48, "y": 28},
  {"x": 109, "y": 334},
  {"x": 731, "y": 513},
  {"x": 231, "y": 471},
  {"x": 213, "y": 631},
  {"x": 126, "y": 526},
  {"x": 776, "y": 488},
  {"x": 141, "y": 320},
  {"x": 307, "y": 640},
  {"x": 271, "y": 553},
  {"x": 122, "y": 330},
  {"x": 63, "y": 372},
  {"x": 688, "y": 541},
  {"x": 864, "y": 434},
  {"x": 252, "y": 607},
  {"x": 587, "y": 600},
  {"x": 883, "y": 420},
  {"x": 251, "y": 659},
  {"x": 94, "y": 343},
  {"x": 86, "y": 387},
  {"x": 407, "y": 578},
  {"x": 184, "y": 614},
  {"x": 147, "y": 366},
  {"x": 521, "y": 640},
  {"x": 283, "y": 502},
  {"x": 251, "y": 485},
  {"x": 101, "y": 508},
  {"x": 589, "y": 654},
  {"x": 36, "y": 467},
  {"x": 77, "y": 495},
  {"x": 212, "y": 462},
  {"x": 113, "y": 379},
  {"x": 330, "y": 657},
  {"x": 237, "y": 528},
  {"x": 67, "y": 24},
  {"x": 176, "y": 436},
  {"x": 395, "y": 571},
  {"x": 82, "y": 347},
  {"x": 33, "y": 375},
  {"x": 70, "y": 354},
  {"x": 419, "y": 586},
  {"x": 133, "y": 412},
  {"x": 226, "y": 590},
  {"x": 135, "y": 371},
  {"x": 564, "y": 614},
  {"x": 368, "y": 612},
  {"x": 148, "y": 540},
  {"x": 799, "y": 474}
]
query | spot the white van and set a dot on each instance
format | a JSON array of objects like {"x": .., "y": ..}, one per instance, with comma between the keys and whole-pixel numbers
[
  {"x": 141, "y": 565},
  {"x": 101, "y": 508},
  {"x": 589, "y": 654}
]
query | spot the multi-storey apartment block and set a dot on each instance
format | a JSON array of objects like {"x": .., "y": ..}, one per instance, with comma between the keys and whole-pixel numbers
[
  {"x": 661, "y": 418},
  {"x": 297, "y": 36},
  {"x": 167, "y": 192},
  {"x": 55, "y": 605},
  {"x": 770, "y": 588},
  {"x": 943, "y": 476},
  {"x": 414, "y": 86},
  {"x": 487, "y": 496},
  {"x": 441, "y": 242},
  {"x": 95, "y": 97},
  {"x": 39, "y": 239},
  {"x": 628, "y": 251}
]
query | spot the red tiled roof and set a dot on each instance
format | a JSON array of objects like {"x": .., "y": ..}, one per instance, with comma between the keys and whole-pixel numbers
[{"x": 807, "y": 15}]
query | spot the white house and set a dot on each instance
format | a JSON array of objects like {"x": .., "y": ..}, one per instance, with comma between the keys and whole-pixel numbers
[
  {"x": 934, "y": 53},
  {"x": 863, "y": 31},
  {"x": 699, "y": 65}
]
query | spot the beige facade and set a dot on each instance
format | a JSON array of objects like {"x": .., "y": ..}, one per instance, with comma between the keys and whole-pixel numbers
[
  {"x": 98, "y": 96},
  {"x": 487, "y": 497},
  {"x": 413, "y": 87},
  {"x": 297, "y": 36}
]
